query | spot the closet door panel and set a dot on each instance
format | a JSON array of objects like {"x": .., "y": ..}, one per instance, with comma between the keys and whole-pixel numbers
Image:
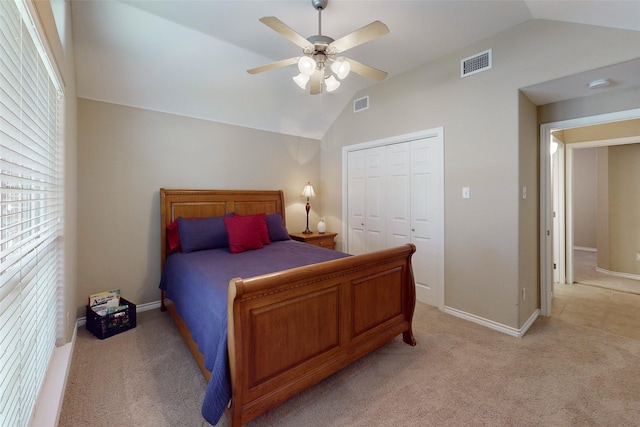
[
  {"x": 422, "y": 187},
  {"x": 356, "y": 176},
  {"x": 398, "y": 219},
  {"x": 374, "y": 199}
]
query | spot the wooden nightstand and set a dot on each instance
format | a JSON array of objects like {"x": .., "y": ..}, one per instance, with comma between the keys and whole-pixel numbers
[{"x": 326, "y": 240}]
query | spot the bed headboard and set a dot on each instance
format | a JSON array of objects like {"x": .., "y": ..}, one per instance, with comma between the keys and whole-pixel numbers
[{"x": 207, "y": 203}]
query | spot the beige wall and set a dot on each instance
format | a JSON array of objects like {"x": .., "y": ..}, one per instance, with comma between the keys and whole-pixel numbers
[
  {"x": 602, "y": 223},
  {"x": 620, "y": 100},
  {"x": 605, "y": 131},
  {"x": 125, "y": 155},
  {"x": 528, "y": 234},
  {"x": 63, "y": 56},
  {"x": 484, "y": 149},
  {"x": 585, "y": 201},
  {"x": 624, "y": 208}
]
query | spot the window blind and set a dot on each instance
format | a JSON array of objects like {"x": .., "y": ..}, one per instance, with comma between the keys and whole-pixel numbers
[{"x": 31, "y": 209}]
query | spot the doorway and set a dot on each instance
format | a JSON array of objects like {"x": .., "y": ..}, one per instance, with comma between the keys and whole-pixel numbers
[{"x": 559, "y": 262}]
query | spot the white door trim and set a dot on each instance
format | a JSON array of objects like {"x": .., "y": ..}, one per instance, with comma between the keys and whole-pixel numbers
[
  {"x": 558, "y": 206},
  {"x": 546, "y": 219},
  {"x": 428, "y": 133}
]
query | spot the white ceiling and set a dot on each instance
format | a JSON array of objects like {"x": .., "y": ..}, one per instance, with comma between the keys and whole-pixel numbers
[{"x": 190, "y": 57}]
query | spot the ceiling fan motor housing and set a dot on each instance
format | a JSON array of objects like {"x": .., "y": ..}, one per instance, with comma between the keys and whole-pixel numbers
[
  {"x": 319, "y": 4},
  {"x": 321, "y": 50}
]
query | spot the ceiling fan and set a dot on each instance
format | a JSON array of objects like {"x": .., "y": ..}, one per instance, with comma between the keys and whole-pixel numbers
[{"x": 320, "y": 62}]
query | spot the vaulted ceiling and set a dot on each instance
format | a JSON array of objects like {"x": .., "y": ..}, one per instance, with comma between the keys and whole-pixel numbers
[{"x": 190, "y": 57}]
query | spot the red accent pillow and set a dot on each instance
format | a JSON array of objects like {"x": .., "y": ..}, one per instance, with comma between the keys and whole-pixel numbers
[
  {"x": 173, "y": 237},
  {"x": 244, "y": 233},
  {"x": 261, "y": 220}
]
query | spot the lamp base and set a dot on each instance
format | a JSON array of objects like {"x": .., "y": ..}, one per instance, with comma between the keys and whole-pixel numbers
[{"x": 307, "y": 208}]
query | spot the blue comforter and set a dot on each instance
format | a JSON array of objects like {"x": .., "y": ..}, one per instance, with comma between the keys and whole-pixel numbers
[{"x": 198, "y": 282}]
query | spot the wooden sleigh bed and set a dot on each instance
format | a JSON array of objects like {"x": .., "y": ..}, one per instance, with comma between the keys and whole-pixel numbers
[{"x": 365, "y": 301}]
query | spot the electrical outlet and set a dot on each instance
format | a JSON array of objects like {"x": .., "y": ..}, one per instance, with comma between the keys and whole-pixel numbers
[
  {"x": 637, "y": 256},
  {"x": 524, "y": 294}
]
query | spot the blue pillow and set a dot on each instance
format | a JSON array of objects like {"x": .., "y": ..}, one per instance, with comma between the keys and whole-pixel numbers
[
  {"x": 197, "y": 234},
  {"x": 276, "y": 228}
]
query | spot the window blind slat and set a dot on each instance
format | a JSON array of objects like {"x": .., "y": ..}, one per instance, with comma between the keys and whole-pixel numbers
[
  {"x": 10, "y": 349},
  {"x": 31, "y": 192}
]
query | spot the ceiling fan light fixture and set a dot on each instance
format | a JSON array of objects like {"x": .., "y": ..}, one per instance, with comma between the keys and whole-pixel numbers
[
  {"x": 341, "y": 68},
  {"x": 331, "y": 83},
  {"x": 301, "y": 80},
  {"x": 318, "y": 53},
  {"x": 306, "y": 65}
]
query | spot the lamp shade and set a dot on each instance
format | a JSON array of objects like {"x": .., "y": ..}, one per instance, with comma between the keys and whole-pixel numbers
[
  {"x": 301, "y": 80},
  {"x": 306, "y": 65},
  {"x": 331, "y": 83},
  {"x": 307, "y": 191},
  {"x": 341, "y": 68}
]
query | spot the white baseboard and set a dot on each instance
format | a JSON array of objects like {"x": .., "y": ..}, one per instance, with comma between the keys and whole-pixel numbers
[
  {"x": 139, "y": 308},
  {"x": 49, "y": 402},
  {"x": 618, "y": 274},
  {"x": 147, "y": 306},
  {"x": 514, "y": 332}
]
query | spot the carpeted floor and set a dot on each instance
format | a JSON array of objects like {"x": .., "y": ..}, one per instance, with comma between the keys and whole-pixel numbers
[{"x": 459, "y": 374}]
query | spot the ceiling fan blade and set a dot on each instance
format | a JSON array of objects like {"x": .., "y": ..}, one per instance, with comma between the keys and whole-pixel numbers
[
  {"x": 366, "y": 71},
  {"x": 283, "y": 29},
  {"x": 363, "y": 35},
  {"x": 316, "y": 82},
  {"x": 274, "y": 65}
]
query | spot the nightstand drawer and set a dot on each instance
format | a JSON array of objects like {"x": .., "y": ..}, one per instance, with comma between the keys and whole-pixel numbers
[{"x": 325, "y": 240}]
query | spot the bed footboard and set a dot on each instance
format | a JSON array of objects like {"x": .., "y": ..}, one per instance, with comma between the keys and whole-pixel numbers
[{"x": 291, "y": 329}]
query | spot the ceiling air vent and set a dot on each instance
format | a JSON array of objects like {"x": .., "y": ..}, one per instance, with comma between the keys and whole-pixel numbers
[
  {"x": 361, "y": 104},
  {"x": 476, "y": 63}
]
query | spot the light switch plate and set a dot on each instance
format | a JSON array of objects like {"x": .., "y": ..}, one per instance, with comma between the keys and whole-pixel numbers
[{"x": 466, "y": 193}]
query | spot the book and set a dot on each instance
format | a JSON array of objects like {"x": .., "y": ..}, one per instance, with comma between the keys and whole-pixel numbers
[
  {"x": 107, "y": 297},
  {"x": 102, "y": 302},
  {"x": 118, "y": 317},
  {"x": 116, "y": 309}
]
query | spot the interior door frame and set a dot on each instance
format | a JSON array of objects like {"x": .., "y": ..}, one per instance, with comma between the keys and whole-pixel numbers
[
  {"x": 558, "y": 212},
  {"x": 427, "y": 133},
  {"x": 546, "y": 203}
]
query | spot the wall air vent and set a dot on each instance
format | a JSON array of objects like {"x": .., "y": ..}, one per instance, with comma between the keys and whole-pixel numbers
[
  {"x": 476, "y": 63},
  {"x": 361, "y": 104}
]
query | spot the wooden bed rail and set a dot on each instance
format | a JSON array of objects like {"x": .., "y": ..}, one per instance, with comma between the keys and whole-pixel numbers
[{"x": 291, "y": 329}]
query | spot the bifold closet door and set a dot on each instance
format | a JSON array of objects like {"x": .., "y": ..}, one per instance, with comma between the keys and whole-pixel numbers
[
  {"x": 411, "y": 184},
  {"x": 365, "y": 198},
  {"x": 395, "y": 195},
  {"x": 424, "y": 186}
]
